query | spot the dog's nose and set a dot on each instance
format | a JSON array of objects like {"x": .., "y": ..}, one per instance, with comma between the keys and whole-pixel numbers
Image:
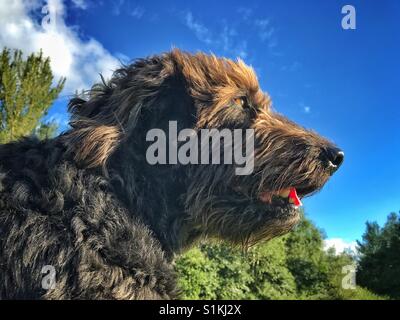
[{"x": 334, "y": 158}]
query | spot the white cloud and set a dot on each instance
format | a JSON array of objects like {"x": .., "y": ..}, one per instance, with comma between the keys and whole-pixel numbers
[
  {"x": 81, "y": 4},
  {"x": 80, "y": 61},
  {"x": 226, "y": 39},
  {"x": 137, "y": 12},
  {"x": 229, "y": 35},
  {"x": 294, "y": 66},
  {"x": 201, "y": 32},
  {"x": 117, "y": 6},
  {"x": 245, "y": 12},
  {"x": 240, "y": 49},
  {"x": 340, "y": 245},
  {"x": 262, "y": 23},
  {"x": 305, "y": 108},
  {"x": 265, "y": 31},
  {"x": 267, "y": 35}
]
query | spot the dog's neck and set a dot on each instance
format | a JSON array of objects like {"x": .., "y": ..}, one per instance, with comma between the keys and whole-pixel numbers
[{"x": 154, "y": 195}]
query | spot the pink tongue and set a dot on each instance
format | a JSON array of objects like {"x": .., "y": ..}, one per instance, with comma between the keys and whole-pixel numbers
[{"x": 294, "y": 197}]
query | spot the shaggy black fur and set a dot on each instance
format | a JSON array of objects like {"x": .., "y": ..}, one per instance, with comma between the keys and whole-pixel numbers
[
  {"x": 53, "y": 213},
  {"x": 89, "y": 204}
]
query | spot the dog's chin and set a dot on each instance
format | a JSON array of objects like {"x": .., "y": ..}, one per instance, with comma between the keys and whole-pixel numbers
[
  {"x": 244, "y": 220},
  {"x": 278, "y": 215},
  {"x": 270, "y": 214},
  {"x": 279, "y": 208}
]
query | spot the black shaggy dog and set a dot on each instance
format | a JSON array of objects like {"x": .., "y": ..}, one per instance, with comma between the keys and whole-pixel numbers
[{"x": 85, "y": 216}]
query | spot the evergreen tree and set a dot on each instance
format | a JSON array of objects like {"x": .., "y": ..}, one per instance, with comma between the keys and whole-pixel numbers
[
  {"x": 26, "y": 92},
  {"x": 379, "y": 264},
  {"x": 46, "y": 130}
]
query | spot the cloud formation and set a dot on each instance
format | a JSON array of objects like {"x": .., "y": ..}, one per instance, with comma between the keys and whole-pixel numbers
[
  {"x": 228, "y": 36},
  {"x": 81, "y": 4},
  {"x": 201, "y": 32},
  {"x": 119, "y": 7},
  {"x": 265, "y": 31},
  {"x": 137, "y": 12},
  {"x": 294, "y": 66},
  {"x": 305, "y": 108},
  {"x": 80, "y": 61},
  {"x": 340, "y": 245}
]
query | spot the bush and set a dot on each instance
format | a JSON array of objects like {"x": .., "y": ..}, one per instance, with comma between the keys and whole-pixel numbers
[{"x": 294, "y": 266}]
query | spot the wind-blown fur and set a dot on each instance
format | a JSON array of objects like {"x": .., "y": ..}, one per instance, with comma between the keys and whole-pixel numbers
[{"x": 88, "y": 204}]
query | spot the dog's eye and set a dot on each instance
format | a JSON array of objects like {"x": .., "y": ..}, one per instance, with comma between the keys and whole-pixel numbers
[{"x": 241, "y": 102}]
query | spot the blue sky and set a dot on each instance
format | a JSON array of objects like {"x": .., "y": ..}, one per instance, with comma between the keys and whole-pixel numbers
[{"x": 342, "y": 83}]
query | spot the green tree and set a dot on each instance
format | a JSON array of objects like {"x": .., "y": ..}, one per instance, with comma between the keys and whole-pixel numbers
[
  {"x": 198, "y": 275},
  {"x": 294, "y": 266},
  {"x": 26, "y": 92},
  {"x": 46, "y": 130},
  {"x": 271, "y": 278},
  {"x": 214, "y": 271},
  {"x": 379, "y": 264},
  {"x": 233, "y": 271},
  {"x": 318, "y": 273},
  {"x": 307, "y": 260}
]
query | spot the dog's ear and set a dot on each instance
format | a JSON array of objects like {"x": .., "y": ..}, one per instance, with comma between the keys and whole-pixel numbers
[{"x": 113, "y": 109}]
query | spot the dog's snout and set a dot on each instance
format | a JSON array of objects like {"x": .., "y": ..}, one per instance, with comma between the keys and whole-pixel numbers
[{"x": 333, "y": 157}]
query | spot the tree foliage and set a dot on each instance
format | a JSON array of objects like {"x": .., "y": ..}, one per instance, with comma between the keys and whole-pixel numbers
[
  {"x": 26, "y": 92},
  {"x": 294, "y": 266},
  {"x": 46, "y": 130},
  {"x": 218, "y": 271},
  {"x": 307, "y": 261},
  {"x": 379, "y": 265}
]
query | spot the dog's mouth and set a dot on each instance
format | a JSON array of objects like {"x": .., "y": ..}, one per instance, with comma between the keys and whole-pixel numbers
[
  {"x": 290, "y": 197},
  {"x": 289, "y": 194}
]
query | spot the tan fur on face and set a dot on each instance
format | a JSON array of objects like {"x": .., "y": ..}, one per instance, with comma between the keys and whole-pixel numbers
[
  {"x": 218, "y": 81},
  {"x": 208, "y": 73}
]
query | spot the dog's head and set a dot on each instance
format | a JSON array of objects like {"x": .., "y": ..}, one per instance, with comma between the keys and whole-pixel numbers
[{"x": 201, "y": 92}]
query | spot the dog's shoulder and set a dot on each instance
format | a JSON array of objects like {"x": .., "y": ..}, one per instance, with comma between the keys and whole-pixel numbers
[
  {"x": 25, "y": 153},
  {"x": 27, "y": 162},
  {"x": 49, "y": 202}
]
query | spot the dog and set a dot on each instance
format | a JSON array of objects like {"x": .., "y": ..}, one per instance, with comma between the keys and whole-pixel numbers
[{"x": 86, "y": 216}]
